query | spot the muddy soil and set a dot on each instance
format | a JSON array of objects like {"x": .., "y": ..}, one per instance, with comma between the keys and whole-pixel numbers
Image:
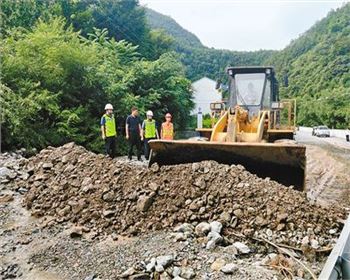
[
  {"x": 30, "y": 251},
  {"x": 65, "y": 185},
  {"x": 327, "y": 172},
  {"x": 327, "y": 178}
]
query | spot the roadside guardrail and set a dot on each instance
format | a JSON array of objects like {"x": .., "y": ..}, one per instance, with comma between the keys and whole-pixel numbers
[{"x": 338, "y": 262}]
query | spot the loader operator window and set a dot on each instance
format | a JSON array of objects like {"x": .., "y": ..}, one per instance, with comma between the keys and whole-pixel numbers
[{"x": 249, "y": 88}]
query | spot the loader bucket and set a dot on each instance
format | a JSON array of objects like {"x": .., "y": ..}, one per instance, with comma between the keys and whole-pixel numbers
[{"x": 282, "y": 162}]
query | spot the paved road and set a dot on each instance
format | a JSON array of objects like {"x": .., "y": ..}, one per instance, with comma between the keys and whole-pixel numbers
[
  {"x": 327, "y": 168},
  {"x": 305, "y": 137}
]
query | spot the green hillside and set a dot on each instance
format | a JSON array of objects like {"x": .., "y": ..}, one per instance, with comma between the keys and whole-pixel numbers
[
  {"x": 182, "y": 36},
  {"x": 200, "y": 60},
  {"x": 315, "y": 68},
  {"x": 62, "y": 61},
  {"x": 211, "y": 62}
]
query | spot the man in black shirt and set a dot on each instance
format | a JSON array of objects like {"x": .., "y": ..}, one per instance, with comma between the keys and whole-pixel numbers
[{"x": 133, "y": 132}]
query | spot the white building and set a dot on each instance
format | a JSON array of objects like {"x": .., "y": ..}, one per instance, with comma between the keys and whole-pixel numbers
[{"x": 204, "y": 93}]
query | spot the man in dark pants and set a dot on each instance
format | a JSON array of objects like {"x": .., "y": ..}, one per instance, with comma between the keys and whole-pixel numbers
[
  {"x": 149, "y": 132},
  {"x": 133, "y": 132},
  {"x": 108, "y": 130}
]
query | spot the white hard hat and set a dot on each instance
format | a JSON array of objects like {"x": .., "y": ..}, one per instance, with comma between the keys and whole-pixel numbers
[
  {"x": 149, "y": 113},
  {"x": 108, "y": 107}
]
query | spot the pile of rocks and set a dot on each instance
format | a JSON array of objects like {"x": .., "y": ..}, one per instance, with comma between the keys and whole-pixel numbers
[{"x": 103, "y": 195}]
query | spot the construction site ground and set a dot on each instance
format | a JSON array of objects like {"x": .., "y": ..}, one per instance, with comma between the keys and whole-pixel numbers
[{"x": 32, "y": 250}]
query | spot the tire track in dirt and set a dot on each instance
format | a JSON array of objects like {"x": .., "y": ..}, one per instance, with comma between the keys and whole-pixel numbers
[{"x": 327, "y": 181}]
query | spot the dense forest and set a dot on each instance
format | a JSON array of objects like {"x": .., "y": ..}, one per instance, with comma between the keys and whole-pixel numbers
[
  {"x": 315, "y": 68},
  {"x": 62, "y": 61}
]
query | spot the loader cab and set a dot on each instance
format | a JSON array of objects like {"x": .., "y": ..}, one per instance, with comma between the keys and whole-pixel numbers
[{"x": 253, "y": 88}]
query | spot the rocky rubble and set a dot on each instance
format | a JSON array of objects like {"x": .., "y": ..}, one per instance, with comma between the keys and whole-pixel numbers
[
  {"x": 175, "y": 267},
  {"x": 101, "y": 195},
  {"x": 210, "y": 233},
  {"x": 10, "y": 272},
  {"x": 166, "y": 267},
  {"x": 11, "y": 167}
]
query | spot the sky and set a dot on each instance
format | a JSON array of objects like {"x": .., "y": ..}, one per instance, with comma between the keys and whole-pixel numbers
[{"x": 245, "y": 25}]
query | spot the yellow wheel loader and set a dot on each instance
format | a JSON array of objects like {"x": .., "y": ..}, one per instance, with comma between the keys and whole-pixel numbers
[{"x": 255, "y": 129}]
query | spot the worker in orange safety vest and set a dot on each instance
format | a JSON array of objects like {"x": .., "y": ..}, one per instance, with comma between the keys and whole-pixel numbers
[{"x": 167, "y": 129}]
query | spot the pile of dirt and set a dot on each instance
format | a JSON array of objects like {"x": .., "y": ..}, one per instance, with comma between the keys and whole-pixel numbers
[{"x": 71, "y": 184}]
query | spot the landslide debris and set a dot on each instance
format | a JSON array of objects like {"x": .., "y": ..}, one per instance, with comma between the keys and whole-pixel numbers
[{"x": 101, "y": 195}]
